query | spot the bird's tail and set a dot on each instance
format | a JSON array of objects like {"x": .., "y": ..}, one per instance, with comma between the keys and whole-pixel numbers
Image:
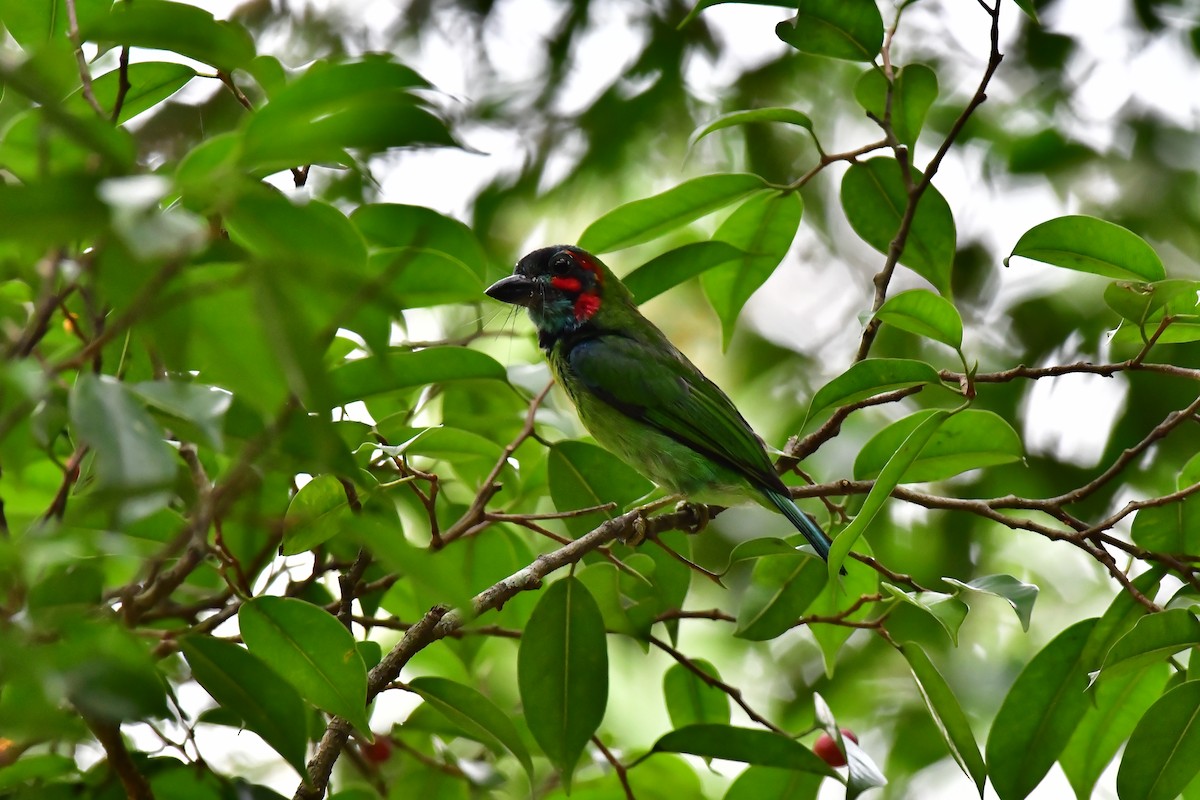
[{"x": 816, "y": 537}]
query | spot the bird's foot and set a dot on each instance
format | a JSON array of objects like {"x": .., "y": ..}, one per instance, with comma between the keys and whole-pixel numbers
[
  {"x": 698, "y": 513},
  {"x": 637, "y": 534}
]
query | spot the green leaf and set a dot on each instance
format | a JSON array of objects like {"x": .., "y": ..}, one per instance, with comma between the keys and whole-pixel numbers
[
  {"x": 1039, "y": 714},
  {"x": 1087, "y": 244},
  {"x": 1018, "y": 594},
  {"x": 32, "y": 769},
  {"x": 756, "y": 783},
  {"x": 846, "y": 29},
  {"x": 1029, "y": 8},
  {"x": 243, "y": 684},
  {"x": 562, "y": 672},
  {"x": 408, "y": 277},
  {"x": 643, "y": 220},
  {"x": 757, "y": 548},
  {"x": 178, "y": 27},
  {"x": 926, "y": 314},
  {"x": 946, "y": 609},
  {"x": 1163, "y": 754},
  {"x": 914, "y": 90},
  {"x": 835, "y": 598},
  {"x": 201, "y": 406},
  {"x": 1175, "y": 527},
  {"x": 366, "y": 105},
  {"x": 391, "y": 225},
  {"x": 763, "y": 228},
  {"x": 972, "y": 439},
  {"x": 692, "y": 701},
  {"x": 1119, "y": 704},
  {"x": 133, "y": 459},
  {"x": 676, "y": 266},
  {"x": 789, "y": 116},
  {"x": 871, "y": 377},
  {"x": 150, "y": 82},
  {"x": 50, "y": 212},
  {"x": 889, "y": 478},
  {"x": 34, "y": 24},
  {"x": 475, "y": 714},
  {"x": 399, "y": 369},
  {"x": 947, "y": 713},
  {"x": 874, "y": 199},
  {"x": 317, "y": 513},
  {"x": 703, "y": 4},
  {"x": 583, "y": 475},
  {"x": 748, "y": 745},
  {"x": 312, "y": 651},
  {"x": 781, "y": 588},
  {"x": 272, "y": 226},
  {"x": 1137, "y": 302},
  {"x": 1154, "y": 638}
]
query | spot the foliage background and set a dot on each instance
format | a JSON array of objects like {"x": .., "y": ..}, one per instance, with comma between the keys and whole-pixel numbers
[{"x": 176, "y": 333}]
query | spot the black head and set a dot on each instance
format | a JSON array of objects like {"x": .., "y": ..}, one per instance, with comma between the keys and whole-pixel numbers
[{"x": 562, "y": 286}]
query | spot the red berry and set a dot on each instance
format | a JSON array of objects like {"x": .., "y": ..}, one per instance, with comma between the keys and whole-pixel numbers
[
  {"x": 378, "y": 751},
  {"x": 827, "y": 750}
]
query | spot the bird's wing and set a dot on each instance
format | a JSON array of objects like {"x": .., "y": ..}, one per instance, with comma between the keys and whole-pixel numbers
[{"x": 660, "y": 388}]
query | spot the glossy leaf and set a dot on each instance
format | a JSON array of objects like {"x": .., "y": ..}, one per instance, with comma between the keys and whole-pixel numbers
[
  {"x": 763, "y": 228},
  {"x": 132, "y": 456},
  {"x": 859, "y": 580},
  {"x": 703, "y": 4},
  {"x": 317, "y": 513},
  {"x": 889, "y": 477},
  {"x": 562, "y": 672},
  {"x": 748, "y": 745},
  {"x": 913, "y": 92},
  {"x": 789, "y": 116},
  {"x": 202, "y": 406},
  {"x": 757, "y": 548},
  {"x": 243, "y": 684},
  {"x": 947, "y": 713},
  {"x": 178, "y": 27},
  {"x": 1137, "y": 301},
  {"x": 150, "y": 82},
  {"x": 692, "y": 701},
  {"x": 399, "y": 369},
  {"x": 1039, "y": 714},
  {"x": 392, "y": 225},
  {"x": 1018, "y": 594},
  {"x": 874, "y": 198},
  {"x": 312, "y": 651},
  {"x": 34, "y": 24},
  {"x": 776, "y": 783},
  {"x": 871, "y": 377},
  {"x": 972, "y": 439},
  {"x": 925, "y": 314},
  {"x": 475, "y": 713},
  {"x": 846, "y": 29},
  {"x": 1163, "y": 754},
  {"x": 947, "y": 610},
  {"x": 272, "y": 226},
  {"x": 1087, "y": 244},
  {"x": 781, "y": 588},
  {"x": 677, "y": 266},
  {"x": 1154, "y": 638},
  {"x": 583, "y": 475},
  {"x": 643, "y": 220}
]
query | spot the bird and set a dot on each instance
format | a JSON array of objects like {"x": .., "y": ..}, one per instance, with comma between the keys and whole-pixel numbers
[{"x": 637, "y": 394}]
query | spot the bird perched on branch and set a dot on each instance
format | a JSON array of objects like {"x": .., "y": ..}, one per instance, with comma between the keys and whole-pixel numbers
[{"x": 636, "y": 393}]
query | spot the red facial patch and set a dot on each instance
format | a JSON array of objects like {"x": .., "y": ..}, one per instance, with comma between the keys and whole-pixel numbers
[
  {"x": 566, "y": 284},
  {"x": 591, "y": 267},
  {"x": 586, "y": 305}
]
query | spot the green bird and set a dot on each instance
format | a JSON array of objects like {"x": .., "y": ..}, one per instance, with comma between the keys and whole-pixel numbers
[{"x": 636, "y": 393}]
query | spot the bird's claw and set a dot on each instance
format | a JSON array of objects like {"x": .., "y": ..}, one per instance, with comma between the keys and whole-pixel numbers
[
  {"x": 697, "y": 511},
  {"x": 638, "y": 533}
]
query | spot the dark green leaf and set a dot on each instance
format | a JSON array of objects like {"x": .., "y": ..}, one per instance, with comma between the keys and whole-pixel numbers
[
  {"x": 1018, "y": 594},
  {"x": 756, "y": 783},
  {"x": 889, "y": 478},
  {"x": 763, "y": 228},
  {"x": 583, "y": 475},
  {"x": 913, "y": 92},
  {"x": 757, "y": 548},
  {"x": 703, "y": 4},
  {"x": 926, "y": 314},
  {"x": 33, "y": 24},
  {"x": 1154, "y": 638},
  {"x": 1163, "y": 754},
  {"x": 781, "y": 588},
  {"x": 317, "y": 513},
  {"x": 946, "y": 609},
  {"x": 243, "y": 684},
  {"x": 400, "y": 369},
  {"x": 271, "y": 226},
  {"x": 871, "y": 377},
  {"x": 475, "y": 713},
  {"x": 50, "y": 212},
  {"x": 202, "y": 406},
  {"x": 1137, "y": 302},
  {"x": 690, "y": 700},
  {"x": 414, "y": 278},
  {"x": 312, "y": 651},
  {"x": 643, "y": 220},
  {"x": 747, "y": 745},
  {"x": 970, "y": 440},
  {"x": 1039, "y": 714},
  {"x": 178, "y": 27},
  {"x": 847, "y": 29},
  {"x": 676, "y": 266},
  {"x": 562, "y": 672},
  {"x": 947, "y": 713},
  {"x": 150, "y": 82},
  {"x": 786, "y": 115},
  {"x": 1091, "y": 245},
  {"x": 391, "y": 225},
  {"x": 875, "y": 199}
]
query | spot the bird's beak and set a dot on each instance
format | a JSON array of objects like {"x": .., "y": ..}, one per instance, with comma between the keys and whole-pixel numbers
[{"x": 516, "y": 289}]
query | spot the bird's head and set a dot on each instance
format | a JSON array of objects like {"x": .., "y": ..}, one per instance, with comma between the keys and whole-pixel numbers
[{"x": 562, "y": 286}]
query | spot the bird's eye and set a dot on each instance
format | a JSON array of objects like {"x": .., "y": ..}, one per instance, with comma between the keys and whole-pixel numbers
[{"x": 561, "y": 264}]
